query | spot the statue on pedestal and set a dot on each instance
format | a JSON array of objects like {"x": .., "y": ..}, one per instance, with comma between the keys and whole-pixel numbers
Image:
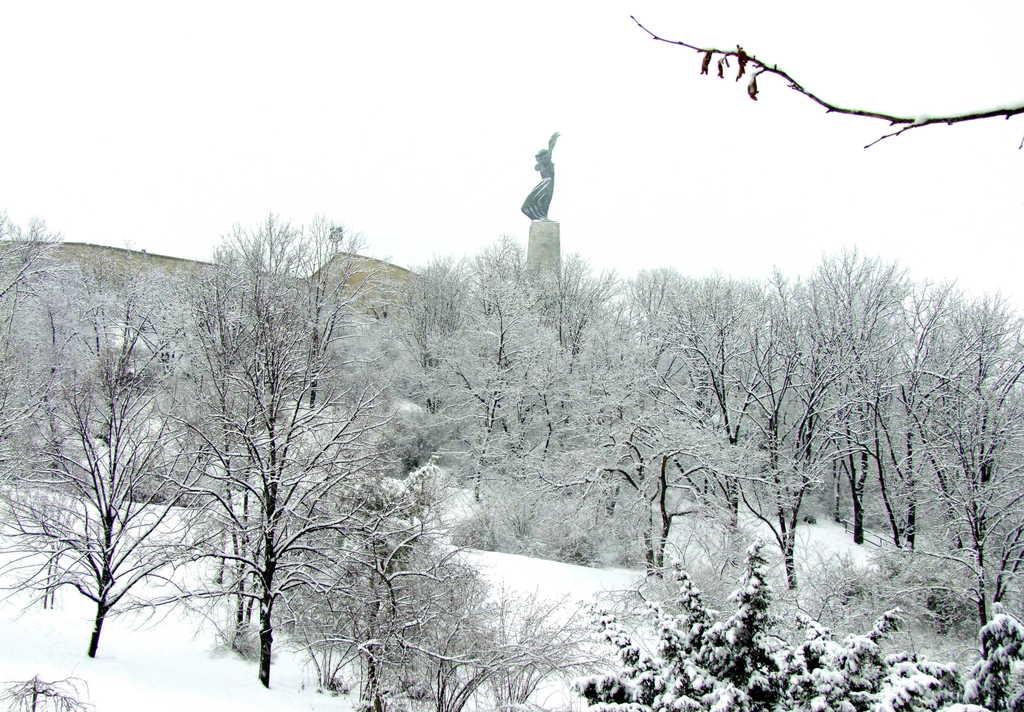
[{"x": 537, "y": 202}]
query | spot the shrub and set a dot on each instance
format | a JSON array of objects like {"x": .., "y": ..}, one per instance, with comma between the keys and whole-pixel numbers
[
  {"x": 37, "y": 695},
  {"x": 477, "y": 531},
  {"x": 742, "y": 664},
  {"x": 411, "y": 438},
  {"x": 935, "y": 593}
]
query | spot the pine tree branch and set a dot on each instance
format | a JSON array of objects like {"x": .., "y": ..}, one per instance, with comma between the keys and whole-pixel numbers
[{"x": 749, "y": 63}]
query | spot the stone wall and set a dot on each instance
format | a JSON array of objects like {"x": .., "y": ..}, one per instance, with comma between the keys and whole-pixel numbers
[
  {"x": 119, "y": 260},
  {"x": 376, "y": 296}
]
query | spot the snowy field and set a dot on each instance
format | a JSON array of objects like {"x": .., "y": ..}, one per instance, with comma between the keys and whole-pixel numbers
[
  {"x": 172, "y": 661},
  {"x": 145, "y": 663}
]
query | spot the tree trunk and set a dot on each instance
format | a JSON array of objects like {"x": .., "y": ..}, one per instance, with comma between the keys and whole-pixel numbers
[
  {"x": 789, "y": 559},
  {"x": 50, "y": 593},
  {"x": 664, "y": 514},
  {"x": 266, "y": 638},
  {"x": 836, "y": 492},
  {"x": 240, "y": 602},
  {"x": 97, "y": 627},
  {"x": 910, "y": 527},
  {"x": 982, "y": 609},
  {"x": 981, "y": 588},
  {"x": 910, "y": 523},
  {"x": 373, "y": 695},
  {"x": 858, "y": 517},
  {"x": 786, "y": 539},
  {"x": 649, "y": 556},
  {"x": 659, "y": 550},
  {"x": 894, "y": 525},
  {"x": 856, "y": 489},
  {"x": 732, "y": 488}
]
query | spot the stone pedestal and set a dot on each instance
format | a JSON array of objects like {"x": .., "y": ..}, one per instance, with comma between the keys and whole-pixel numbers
[{"x": 544, "y": 250}]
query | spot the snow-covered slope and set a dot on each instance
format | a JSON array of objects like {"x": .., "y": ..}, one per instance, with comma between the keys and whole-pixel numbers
[
  {"x": 526, "y": 576},
  {"x": 147, "y": 663},
  {"x": 172, "y": 662},
  {"x": 815, "y": 543}
]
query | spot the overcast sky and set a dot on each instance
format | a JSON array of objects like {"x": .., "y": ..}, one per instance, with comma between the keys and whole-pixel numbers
[{"x": 160, "y": 125}]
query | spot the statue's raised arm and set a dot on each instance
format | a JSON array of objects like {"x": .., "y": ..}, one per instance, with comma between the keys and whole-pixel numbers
[{"x": 537, "y": 202}]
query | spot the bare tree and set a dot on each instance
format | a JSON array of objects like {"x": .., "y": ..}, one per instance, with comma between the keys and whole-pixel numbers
[
  {"x": 366, "y": 595},
  {"x": 497, "y": 351},
  {"x": 655, "y": 459},
  {"x": 290, "y": 435},
  {"x": 431, "y": 312},
  {"x": 24, "y": 262},
  {"x": 789, "y": 353},
  {"x": 925, "y": 317},
  {"x": 26, "y": 271},
  {"x": 575, "y": 301},
  {"x": 861, "y": 301},
  {"x": 646, "y": 432},
  {"x": 973, "y": 437},
  {"x": 38, "y": 695},
  {"x": 551, "y": 638},
  {"x": 711, "y": 321},
  {"x": 509, "y": 646},
  {"x": 97, "y": 511}
]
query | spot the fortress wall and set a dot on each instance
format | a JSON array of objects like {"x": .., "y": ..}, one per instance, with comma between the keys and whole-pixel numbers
[{"x": 384, "y": 278}]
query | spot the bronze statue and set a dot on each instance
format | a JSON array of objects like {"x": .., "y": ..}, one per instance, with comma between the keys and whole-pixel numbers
[{"x": 537, "y": 202}]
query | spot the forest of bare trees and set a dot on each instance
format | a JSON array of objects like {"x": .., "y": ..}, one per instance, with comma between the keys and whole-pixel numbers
[
  {"x": 853, "y": 393},
  {"x": 254, "y": 439}
]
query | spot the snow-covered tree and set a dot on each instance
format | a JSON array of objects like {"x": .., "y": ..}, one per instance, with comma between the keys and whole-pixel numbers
[
  {"x": 368, "y": 593},
  {"x": 710, "y": 328},
  {"x": 996, "y": 681},
  {"x": 790, "y": 355},
  {"x": 700, "y": 663},
  {"x": 96, "y": 510},
  {"x": 485, "y": 365},
  {"x": 973, "y": 439},
  {"x": 743, "y": 663},
  {"x": 860, "y": 302},
  {"x": 27, "y": 274},
  {"x": 480, "y": 642},
  {"x": 286, "y": 427},
  {"x": 431, "y": 311}
]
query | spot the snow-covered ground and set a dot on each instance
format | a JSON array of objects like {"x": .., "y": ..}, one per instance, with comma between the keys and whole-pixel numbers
[
  {"x": 526, "y": 576},
  {"x": 173, "y": 662},
  {"x": 815, "y": 543},
  {"x": 826, "y": 539},
  {"x": 170, "y": 662}
]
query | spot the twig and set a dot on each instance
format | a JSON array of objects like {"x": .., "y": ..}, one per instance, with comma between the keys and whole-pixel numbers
[{"x": 907, "y": 123}]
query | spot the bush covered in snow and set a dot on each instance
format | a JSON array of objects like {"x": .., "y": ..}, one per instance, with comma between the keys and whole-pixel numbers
[
  {"x": 742, "y": 663},
  {"x": 411, "y": 438},
  {"x": 548, "y": 523}
]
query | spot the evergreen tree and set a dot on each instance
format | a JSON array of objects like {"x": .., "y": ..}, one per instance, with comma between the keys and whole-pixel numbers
[
  {"x": 994, "y": 681},
  {"x": 741, "y": 664},
  {"x": 726, "y": 666}
]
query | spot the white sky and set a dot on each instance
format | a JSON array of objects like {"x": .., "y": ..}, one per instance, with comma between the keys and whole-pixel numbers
[{"x": 160, "y": 125}]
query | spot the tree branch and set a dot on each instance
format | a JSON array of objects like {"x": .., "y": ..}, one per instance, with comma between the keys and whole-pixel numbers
[{"x": 758, "y": 67}]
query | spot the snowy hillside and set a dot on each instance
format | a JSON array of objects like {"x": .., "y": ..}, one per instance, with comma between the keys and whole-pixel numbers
[
  {"x": 168, "y": 662},
  {"x": 172, "y": 661}
]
